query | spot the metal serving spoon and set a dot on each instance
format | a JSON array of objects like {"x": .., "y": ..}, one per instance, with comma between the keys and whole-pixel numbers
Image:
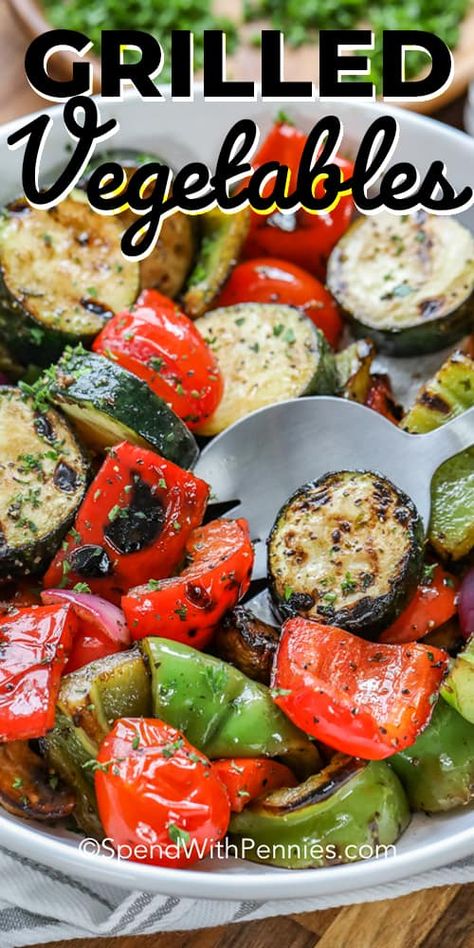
[{"x": 256, "y": 464}]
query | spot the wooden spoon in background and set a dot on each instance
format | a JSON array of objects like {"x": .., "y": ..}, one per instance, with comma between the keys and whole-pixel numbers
[{"x": 300, "y": 63}]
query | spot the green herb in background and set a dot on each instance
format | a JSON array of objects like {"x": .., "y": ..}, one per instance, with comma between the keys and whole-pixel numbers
[
  {"x": 299, "y": 18},
  {"x": 157, "y": 17}
]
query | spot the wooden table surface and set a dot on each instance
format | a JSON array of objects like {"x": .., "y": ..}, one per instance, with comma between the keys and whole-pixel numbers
[{"x": 423, "y": 920}]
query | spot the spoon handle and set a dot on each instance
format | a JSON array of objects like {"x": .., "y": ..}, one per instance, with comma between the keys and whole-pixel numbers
[{"x": 450, "y": 439}]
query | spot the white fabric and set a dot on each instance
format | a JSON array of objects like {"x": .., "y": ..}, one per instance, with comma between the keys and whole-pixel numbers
[{"x": 40, "y": 905}]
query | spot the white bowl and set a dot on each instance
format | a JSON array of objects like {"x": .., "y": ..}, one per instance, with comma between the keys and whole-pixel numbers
[{"x": 181, "y": 132}]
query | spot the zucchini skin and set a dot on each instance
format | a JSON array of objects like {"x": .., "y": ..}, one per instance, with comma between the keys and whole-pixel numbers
[
  {"x": 369, "y": 615},
  {"x": 419, "y": 340},
  {"x": 18, "y": 329},
  {"x": 31, "y": 557},
  {"x": 88, "y": 381}
]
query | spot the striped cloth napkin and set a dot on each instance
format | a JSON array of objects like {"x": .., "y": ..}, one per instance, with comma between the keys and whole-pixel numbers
[{"x": 40, "y": 905}]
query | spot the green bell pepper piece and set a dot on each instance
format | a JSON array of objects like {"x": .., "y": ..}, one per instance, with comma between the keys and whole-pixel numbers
[
  {"x": 447, "y": 394},
  {"x": 221, "y": 711},
  {"x": 338, "y": 815},
  {"x": 438, "y": 770}
]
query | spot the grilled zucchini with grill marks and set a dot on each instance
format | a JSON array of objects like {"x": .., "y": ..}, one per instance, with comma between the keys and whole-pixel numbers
[
  {"x": 347, "y": 550},
  {"x": 62, "y": 275},
  {"x": 266, "y": 354},
  {"x": 408, "y": 282},
  {"x": 107, "y": 405},
  {"x": 167, "y": 267},
  {"x": 43, "y": 475}
]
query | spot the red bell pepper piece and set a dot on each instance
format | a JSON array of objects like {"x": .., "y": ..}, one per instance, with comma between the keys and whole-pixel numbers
[
  {"x": 268, "y": 280},
  {"x": 302, "y": 238},
  {"x": 380, "y": 398},
  {"x": 162, "y": 346},
  {"x": 361, "y": 698},
  {"x": 188, "y": 607},
  {"x": 247, "y": 778},
  {"x": 434, "y": 603},
  {"x": 34, "y": 647},
  {"x": 133, "y": 524}
]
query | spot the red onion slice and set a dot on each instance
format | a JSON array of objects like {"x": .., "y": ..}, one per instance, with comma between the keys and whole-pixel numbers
[{"x": 107, "y": 618}]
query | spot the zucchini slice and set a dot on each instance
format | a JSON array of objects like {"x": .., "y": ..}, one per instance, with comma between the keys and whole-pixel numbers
[
  {"x": 167, "y": 267},
  {"x": 62, "y": 274},
  {"x": 346, "y": 550},
  {"x": 43, "y": 480},
  {"x": 266, "y": 354},
  {"x": 89, "y": 702},
  {"x": 223, "y": 236},
  {"x": 107, "y": 405},
  {"x": 408, "y": 282}
]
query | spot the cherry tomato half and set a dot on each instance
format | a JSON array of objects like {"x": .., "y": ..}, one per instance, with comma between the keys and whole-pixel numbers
[
  {"x": 268, "y": 280},
  {"x": 158, "y": 798}
]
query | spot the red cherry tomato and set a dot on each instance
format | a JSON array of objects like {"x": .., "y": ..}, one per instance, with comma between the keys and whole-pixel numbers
[
  {"x": 361, "y": 698},
  {"x": 159, "y": 344},
  {"x": 188, "y": 607},
  {"x": 246, "y": 779},
  {"x": 35, "y": 644},
  {"x": 268, "y": 280},
  {"x": 302, "y": 238},
  {"x": 157, "y": 796},
  {"x": 434, "y": 603}
]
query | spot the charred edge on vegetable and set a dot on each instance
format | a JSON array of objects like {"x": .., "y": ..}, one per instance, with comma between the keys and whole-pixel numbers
[{"x": 317, "y": 788}]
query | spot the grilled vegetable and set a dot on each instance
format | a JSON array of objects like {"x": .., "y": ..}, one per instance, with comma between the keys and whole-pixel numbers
[
  {"x": 108, "y": 404},
  {"x": 167, "y": 267},
  {"x": 154, "y": 789},
  {"x": 136, "y": 518},
  {"x": 248, "y": 643},
  {"x": 248, "y": 778},
  {"x": 266, "y": 354},
  {"x": 380, "y": 398},
  {"x": 188, "y": 607},
  {"x": 346, "y": 549},
  {"x": 220, "y": 711},
  {"x": 406, "y": 281},
  {"x": 458, "y": 687},
  {"x": 27, "y": 789},
  {"x": 359, "y": 697},
  {"x": 449, "y": 393},
  {"x": 90, "y": 700},
  {"x": 338, "y": 815},
  {"x": 269, "y": 280},
  {"x": 222, "y": 237},
  {"x": 434, "y": 604},
  {"x": 62, "y": 275},
  {"x": 43, "y": 480},
  {"x": 438, "y": 770},
  {"x": 35, "y": 644},
  {"x": 163, "y": 347},
  {"x": 353, "y": 370}
]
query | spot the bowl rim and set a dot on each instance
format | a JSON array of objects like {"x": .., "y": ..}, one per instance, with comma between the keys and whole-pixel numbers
[{"x": 237, "y": 882}]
